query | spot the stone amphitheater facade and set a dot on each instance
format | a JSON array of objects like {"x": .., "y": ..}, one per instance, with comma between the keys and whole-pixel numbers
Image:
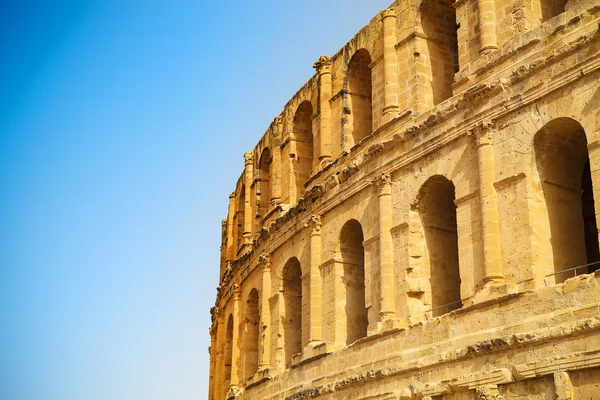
[{"x": 419, "y": 221}]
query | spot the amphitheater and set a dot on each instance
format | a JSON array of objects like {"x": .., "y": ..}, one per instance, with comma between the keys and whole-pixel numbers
[{"x": 419, "y": 221}]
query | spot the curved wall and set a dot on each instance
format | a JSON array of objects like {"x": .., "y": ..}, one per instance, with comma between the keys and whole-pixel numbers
[{"x": 408, "y": 226}]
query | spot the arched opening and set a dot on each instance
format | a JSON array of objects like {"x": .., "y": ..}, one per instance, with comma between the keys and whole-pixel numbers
[
  {"x": 251, "y": 325},
  {"x": 240, "y": 217},
  {"x": 264, "y": 184},
  {"x": 440, "y": 61},
  {"x": 228, "y": 354},
  {"x": 360, "y": 104},
  {"x": 353, "y": 257},
  {"x": 563, "y": 167},
  {"x": 292, "y": 298},
  {"x": 303, "y": 136},
  {"x": 547, "y": 9},
  {"x": 438, "y": 217}
]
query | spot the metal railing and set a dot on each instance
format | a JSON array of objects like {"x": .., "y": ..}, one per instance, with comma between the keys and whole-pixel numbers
[
  {"x": 444, "y": 306},
  {"x": 353, "y": 338},
  {"x": 574, "y": 269}
]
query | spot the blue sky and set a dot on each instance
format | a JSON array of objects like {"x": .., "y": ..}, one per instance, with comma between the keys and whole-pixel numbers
[{"x": 122, "y": 131}]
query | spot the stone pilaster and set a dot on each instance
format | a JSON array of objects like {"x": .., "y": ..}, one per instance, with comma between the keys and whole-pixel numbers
[
  {"x": 323, "y": 67},
  {"x": 248, "y": 172},
  {"x": 487, "y": 25},
  {"x": 492, "y": 255},
  {"x": 212, "y": 351},
  {"x": 235, "y": 343},
  {"x": 230, "y": 239},
  {"x": 383, "y": 185},
  {"x": 390, "y": 65},
  {"x": 220, "y": 362},
  {"x": 315, "y": 334},
  {"x": 276, "y": 165},
  {"x": 277, "y": 306},
  {"x": 265, "y": 312}
]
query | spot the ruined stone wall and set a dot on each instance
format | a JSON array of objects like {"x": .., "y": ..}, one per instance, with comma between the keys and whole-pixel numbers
[{"x": 420, "y": 221}]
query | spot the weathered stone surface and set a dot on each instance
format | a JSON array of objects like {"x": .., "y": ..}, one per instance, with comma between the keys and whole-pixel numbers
[{"x": 418, "y": 221}]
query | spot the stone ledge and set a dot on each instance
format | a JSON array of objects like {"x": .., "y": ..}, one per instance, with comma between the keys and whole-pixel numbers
[{"x": 260, "y": 376}]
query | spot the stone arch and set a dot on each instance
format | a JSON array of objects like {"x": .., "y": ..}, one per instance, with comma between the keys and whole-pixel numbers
[
  {"x": 564, "y": 177},
  {"x": 360, "y": 96},
  {"x": 437, "y": 212},
  {"x": 264, "y": 185},
  {"x": 352, "y": 253},
  {"x": 439, "y": 57},
  {"x": 228, "y": 354},
  {"x": 251, "y": 334},
  {"x": 303, "y": 136},
  {"x": 292, "y": 298}
]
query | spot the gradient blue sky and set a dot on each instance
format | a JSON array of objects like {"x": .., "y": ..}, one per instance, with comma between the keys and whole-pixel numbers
[{"x": 122, "y": 130}]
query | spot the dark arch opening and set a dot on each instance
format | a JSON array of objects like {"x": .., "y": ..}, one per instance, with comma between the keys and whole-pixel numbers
[
  {"x": 360, "y": 99},
  {"x": 550, "y": 8},
  {"x": 264, "y": 185},
  {"x": 228, "y": 353},
  {"x": 292, "y": 298},
  {"x": 251, "y": 335},
  {"x": 563, "y": 166},
  {"x": 438, "y": 216},
  {"x": 438, "y": 20},
  {"x": 303, "y": 135},
  {"x": 353, "y": 257}
]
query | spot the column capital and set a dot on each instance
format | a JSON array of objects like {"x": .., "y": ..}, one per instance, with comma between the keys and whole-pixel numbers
[
  {"x": 323, "y": 65},
  {"x": 487, "y": 392},
  {"x": 483, "y": 133},
  {"x": 213, "y": 333},
  {"x": 314, "y": 223},
  {"x": 389, "y": 12},
  {"x": 215, "y": 313},
  {"x": 264, "y": 261},
  {"x": 383, "y": 184},
  {"x": 248, "y": 158},
  {"x": 236, "y": 292}
]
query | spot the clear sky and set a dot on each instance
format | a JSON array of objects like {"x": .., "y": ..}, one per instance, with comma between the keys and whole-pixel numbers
[{"x": 122, "y": 130}]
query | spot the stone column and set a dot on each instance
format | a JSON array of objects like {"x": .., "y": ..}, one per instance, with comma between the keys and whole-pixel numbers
[
  {"x": 487, "y": 25},
  {"x": 235, "y": 342},
  {"x": 248, "y": 172},
  {"x": 265, "y": 312},
  {"x": 390, "y": 65},
  {"x": 315, "y": 334},
  {"x": 230, "y": 238},
  {"x": 492, "y": 256},
  {"x": 277, "y": 307},
  {"x": 220, "y": 362},
  {"x": 383, "y": 184},
  {"x": 323, "y": 67},
  {"x": 276, "y": 166},
  {"x": 212, "y": 351}
]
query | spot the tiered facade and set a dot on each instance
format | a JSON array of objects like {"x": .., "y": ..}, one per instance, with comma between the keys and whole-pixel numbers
[{"x": 419, "y": 221}]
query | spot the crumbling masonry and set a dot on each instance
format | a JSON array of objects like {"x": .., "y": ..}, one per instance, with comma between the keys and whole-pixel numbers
[{"x": 420, "y": 222}]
